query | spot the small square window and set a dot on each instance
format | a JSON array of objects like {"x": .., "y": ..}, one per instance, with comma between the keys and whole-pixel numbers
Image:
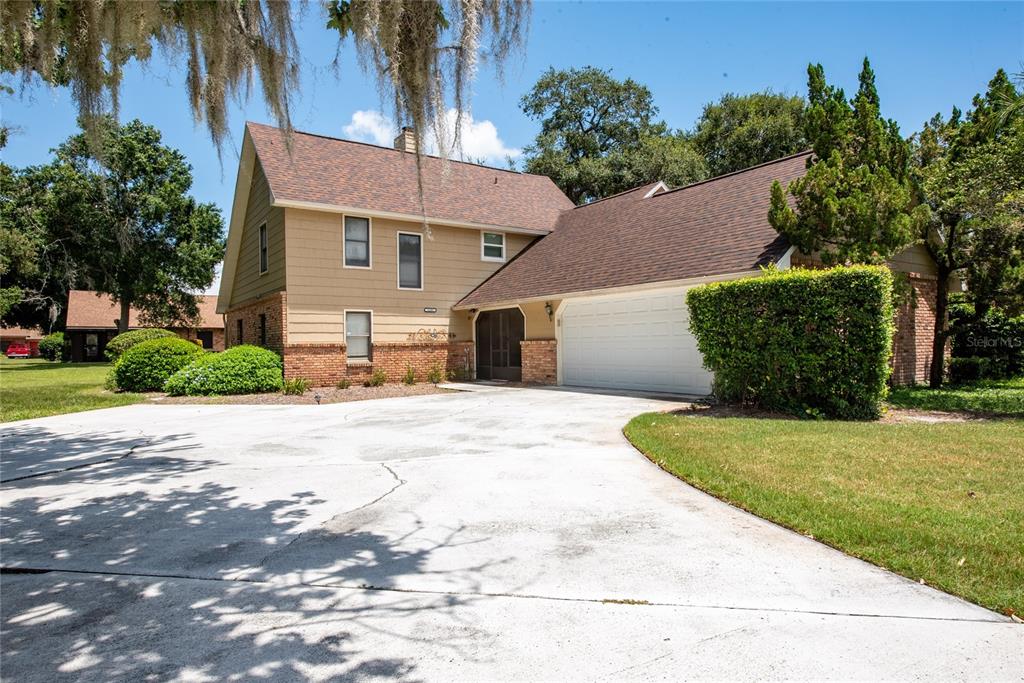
[
  {"x": 357, "y": 242},
  {"x": 493, "y": 246}
]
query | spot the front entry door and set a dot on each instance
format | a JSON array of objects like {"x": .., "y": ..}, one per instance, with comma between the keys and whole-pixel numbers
[{"x": 498, "y": 353}]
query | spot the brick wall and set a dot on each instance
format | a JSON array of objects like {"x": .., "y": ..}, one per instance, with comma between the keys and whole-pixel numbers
[
  {"x": 322, "y": 364},
  {"x": 326, "y": 364},
  {"x": 915, "y": 327},
  {"x": 274, "y": 307},
  {"x": 540, "y": 361}
]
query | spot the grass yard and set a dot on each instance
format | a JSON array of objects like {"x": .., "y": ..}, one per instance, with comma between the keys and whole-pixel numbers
[
  {"x": 939, "y": 502},
  {"x": 987, "y": 397},
  {"x": 36, "y": 388}
]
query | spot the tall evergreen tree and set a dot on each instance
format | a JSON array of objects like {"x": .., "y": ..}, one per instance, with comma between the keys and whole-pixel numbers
[{"x": 856, "y": 204}]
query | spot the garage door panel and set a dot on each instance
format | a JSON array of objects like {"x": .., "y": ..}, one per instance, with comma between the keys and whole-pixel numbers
[{"x": 641, "y": 342}]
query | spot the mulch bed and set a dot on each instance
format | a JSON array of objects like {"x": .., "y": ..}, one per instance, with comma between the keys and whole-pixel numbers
[{"x": 327, "y": 395}]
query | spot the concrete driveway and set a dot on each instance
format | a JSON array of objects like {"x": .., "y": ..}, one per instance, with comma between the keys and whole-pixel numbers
[{"x": 494, "y": 534}]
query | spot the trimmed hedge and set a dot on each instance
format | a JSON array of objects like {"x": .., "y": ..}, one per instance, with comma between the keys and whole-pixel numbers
[
  {"x": 126, "y": 340},
  {"x": 52, "y": 347},
  {"x": 239, "y": 370},
  {"x": 147, "y": 366},
  {"x": 815, "y": 343},
  {"x": 991, "y": 347}
]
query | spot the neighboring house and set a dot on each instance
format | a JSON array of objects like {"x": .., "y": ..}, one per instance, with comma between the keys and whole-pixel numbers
[
  {"x": 30, "y": 337},
  {"x": 92, "y": 322},
  {"x": 329, "y": 263}
]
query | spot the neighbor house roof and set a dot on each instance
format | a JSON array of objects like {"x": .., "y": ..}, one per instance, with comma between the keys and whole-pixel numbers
[
  {"x": 330, "y": 172},
  {"x": 715, "y": 227},
  {"x": 89, "y": 310},
  {"x": 21, "y": 333}
]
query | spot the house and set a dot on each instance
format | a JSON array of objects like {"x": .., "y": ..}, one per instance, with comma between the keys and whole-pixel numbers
[
  {"x": 92, "y": 322},
  {"x": 20, "y": 335},
  {"x": 331, "y": 262}
]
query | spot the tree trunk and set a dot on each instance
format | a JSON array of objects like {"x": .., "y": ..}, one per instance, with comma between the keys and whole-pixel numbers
[
  {"x": 938, "y": 365},
  {"x": 122, "y": 322}
]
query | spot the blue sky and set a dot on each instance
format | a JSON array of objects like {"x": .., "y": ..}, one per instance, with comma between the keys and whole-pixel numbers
[{"x": 927, "y": 57}]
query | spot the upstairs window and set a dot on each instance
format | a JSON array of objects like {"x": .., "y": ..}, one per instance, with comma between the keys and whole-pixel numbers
[
  {"x": 357, "y": 242},
  {"x": 492, "y": 246},
  {"x": 410, "y": 260},
  {"x": 357, "y": 335},
  {"x": 264, "y": 255}
]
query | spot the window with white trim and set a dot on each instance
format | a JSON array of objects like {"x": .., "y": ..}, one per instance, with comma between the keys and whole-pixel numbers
[
  {"x": 357, "y": 335},
  {"x": 410, "y": 261},
  {"x": 357, "y": 242},
  {"x": 264, "y": 255},
  {"x": 492, "y": 246}
]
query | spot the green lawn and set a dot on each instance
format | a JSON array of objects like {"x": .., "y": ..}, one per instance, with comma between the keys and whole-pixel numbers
[
  {"x": 993, "y": 397},
  {"x": 35, "y": 388},
  {"x": 939, "y": 502}
]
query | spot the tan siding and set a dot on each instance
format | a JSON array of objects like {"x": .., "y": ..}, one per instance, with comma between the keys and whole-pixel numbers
[
  {"x": 320, "y": 289},
  {"x": 914, "y": 259},
  {"x": 249, "y": 284},
  {"x": 538, "y": 325}
]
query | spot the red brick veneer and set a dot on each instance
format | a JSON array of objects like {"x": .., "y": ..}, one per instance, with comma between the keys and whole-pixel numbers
[
  {"x": 540, "y": 361},
  {"x": 273, "y": 306},
  {"x": 915, "y": 328}
]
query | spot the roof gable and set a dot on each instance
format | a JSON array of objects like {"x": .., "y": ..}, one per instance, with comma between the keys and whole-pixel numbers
[
  {"x": 330, "y": 172},
  {"x": 715, "y": 227}
]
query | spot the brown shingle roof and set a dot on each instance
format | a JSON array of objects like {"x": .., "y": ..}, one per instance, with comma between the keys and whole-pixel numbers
[
  {"x": 337, "y": 172},
  {"x": 20, "y": 333},
  {"x": 91, "y": 311},
  {"x": 715, "y": 227}
]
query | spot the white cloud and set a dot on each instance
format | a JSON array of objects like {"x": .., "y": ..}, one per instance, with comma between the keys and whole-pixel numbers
[
  {"x": 371, "y": 126},
  {"x": 479, "y": 140}
]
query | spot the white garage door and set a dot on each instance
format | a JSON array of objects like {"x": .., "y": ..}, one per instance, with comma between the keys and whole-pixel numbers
[{"x": 640, "y": 342}]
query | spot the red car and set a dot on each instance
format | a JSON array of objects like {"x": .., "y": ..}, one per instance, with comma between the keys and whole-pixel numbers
[{"x": 19, "y": 350}]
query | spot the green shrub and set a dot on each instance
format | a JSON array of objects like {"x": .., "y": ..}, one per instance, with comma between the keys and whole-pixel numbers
[
  {"x": 809, "y": 342},
  {"x": 435, "y": 374},
  {"x": 241, "y": 369},
  {"x": 126, "y": 340},
  {"x": 296, "y": 386},
  {"x": 963, "y": 370},
  {"x": 344, "y": 383},
  {"x": 995, "y": 337},
  {"x": 52, "y": 347},
  {"x": 410, "y": 376},
  {"x": 147, "y": 366},
  {"x": 377, "y": 379}
]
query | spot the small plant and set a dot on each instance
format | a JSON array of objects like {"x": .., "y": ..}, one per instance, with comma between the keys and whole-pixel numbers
[
  {"x": 435, "y": 375},
  {"x": 344, "y": 383},
  {"x": 296, "y": 386},
  {"x": 377, "y": 379},
  {"x": 409, "y": 377}
]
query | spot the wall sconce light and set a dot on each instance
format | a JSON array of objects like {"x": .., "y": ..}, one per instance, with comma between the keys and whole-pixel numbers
[{"x": 550, "y": 311}]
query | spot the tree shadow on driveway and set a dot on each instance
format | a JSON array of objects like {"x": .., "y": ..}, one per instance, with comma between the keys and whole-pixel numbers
[{"x": 140, "y": 568}]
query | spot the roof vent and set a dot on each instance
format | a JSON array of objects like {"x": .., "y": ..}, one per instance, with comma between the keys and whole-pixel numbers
[{"x": 406, "y": 140}]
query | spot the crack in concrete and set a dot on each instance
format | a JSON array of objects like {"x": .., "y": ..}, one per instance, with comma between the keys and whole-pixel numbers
[
  {"x": 146, "y": 441},
  {"x": 278, "y": 551},
  {"x": 483, "y": 594}
]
